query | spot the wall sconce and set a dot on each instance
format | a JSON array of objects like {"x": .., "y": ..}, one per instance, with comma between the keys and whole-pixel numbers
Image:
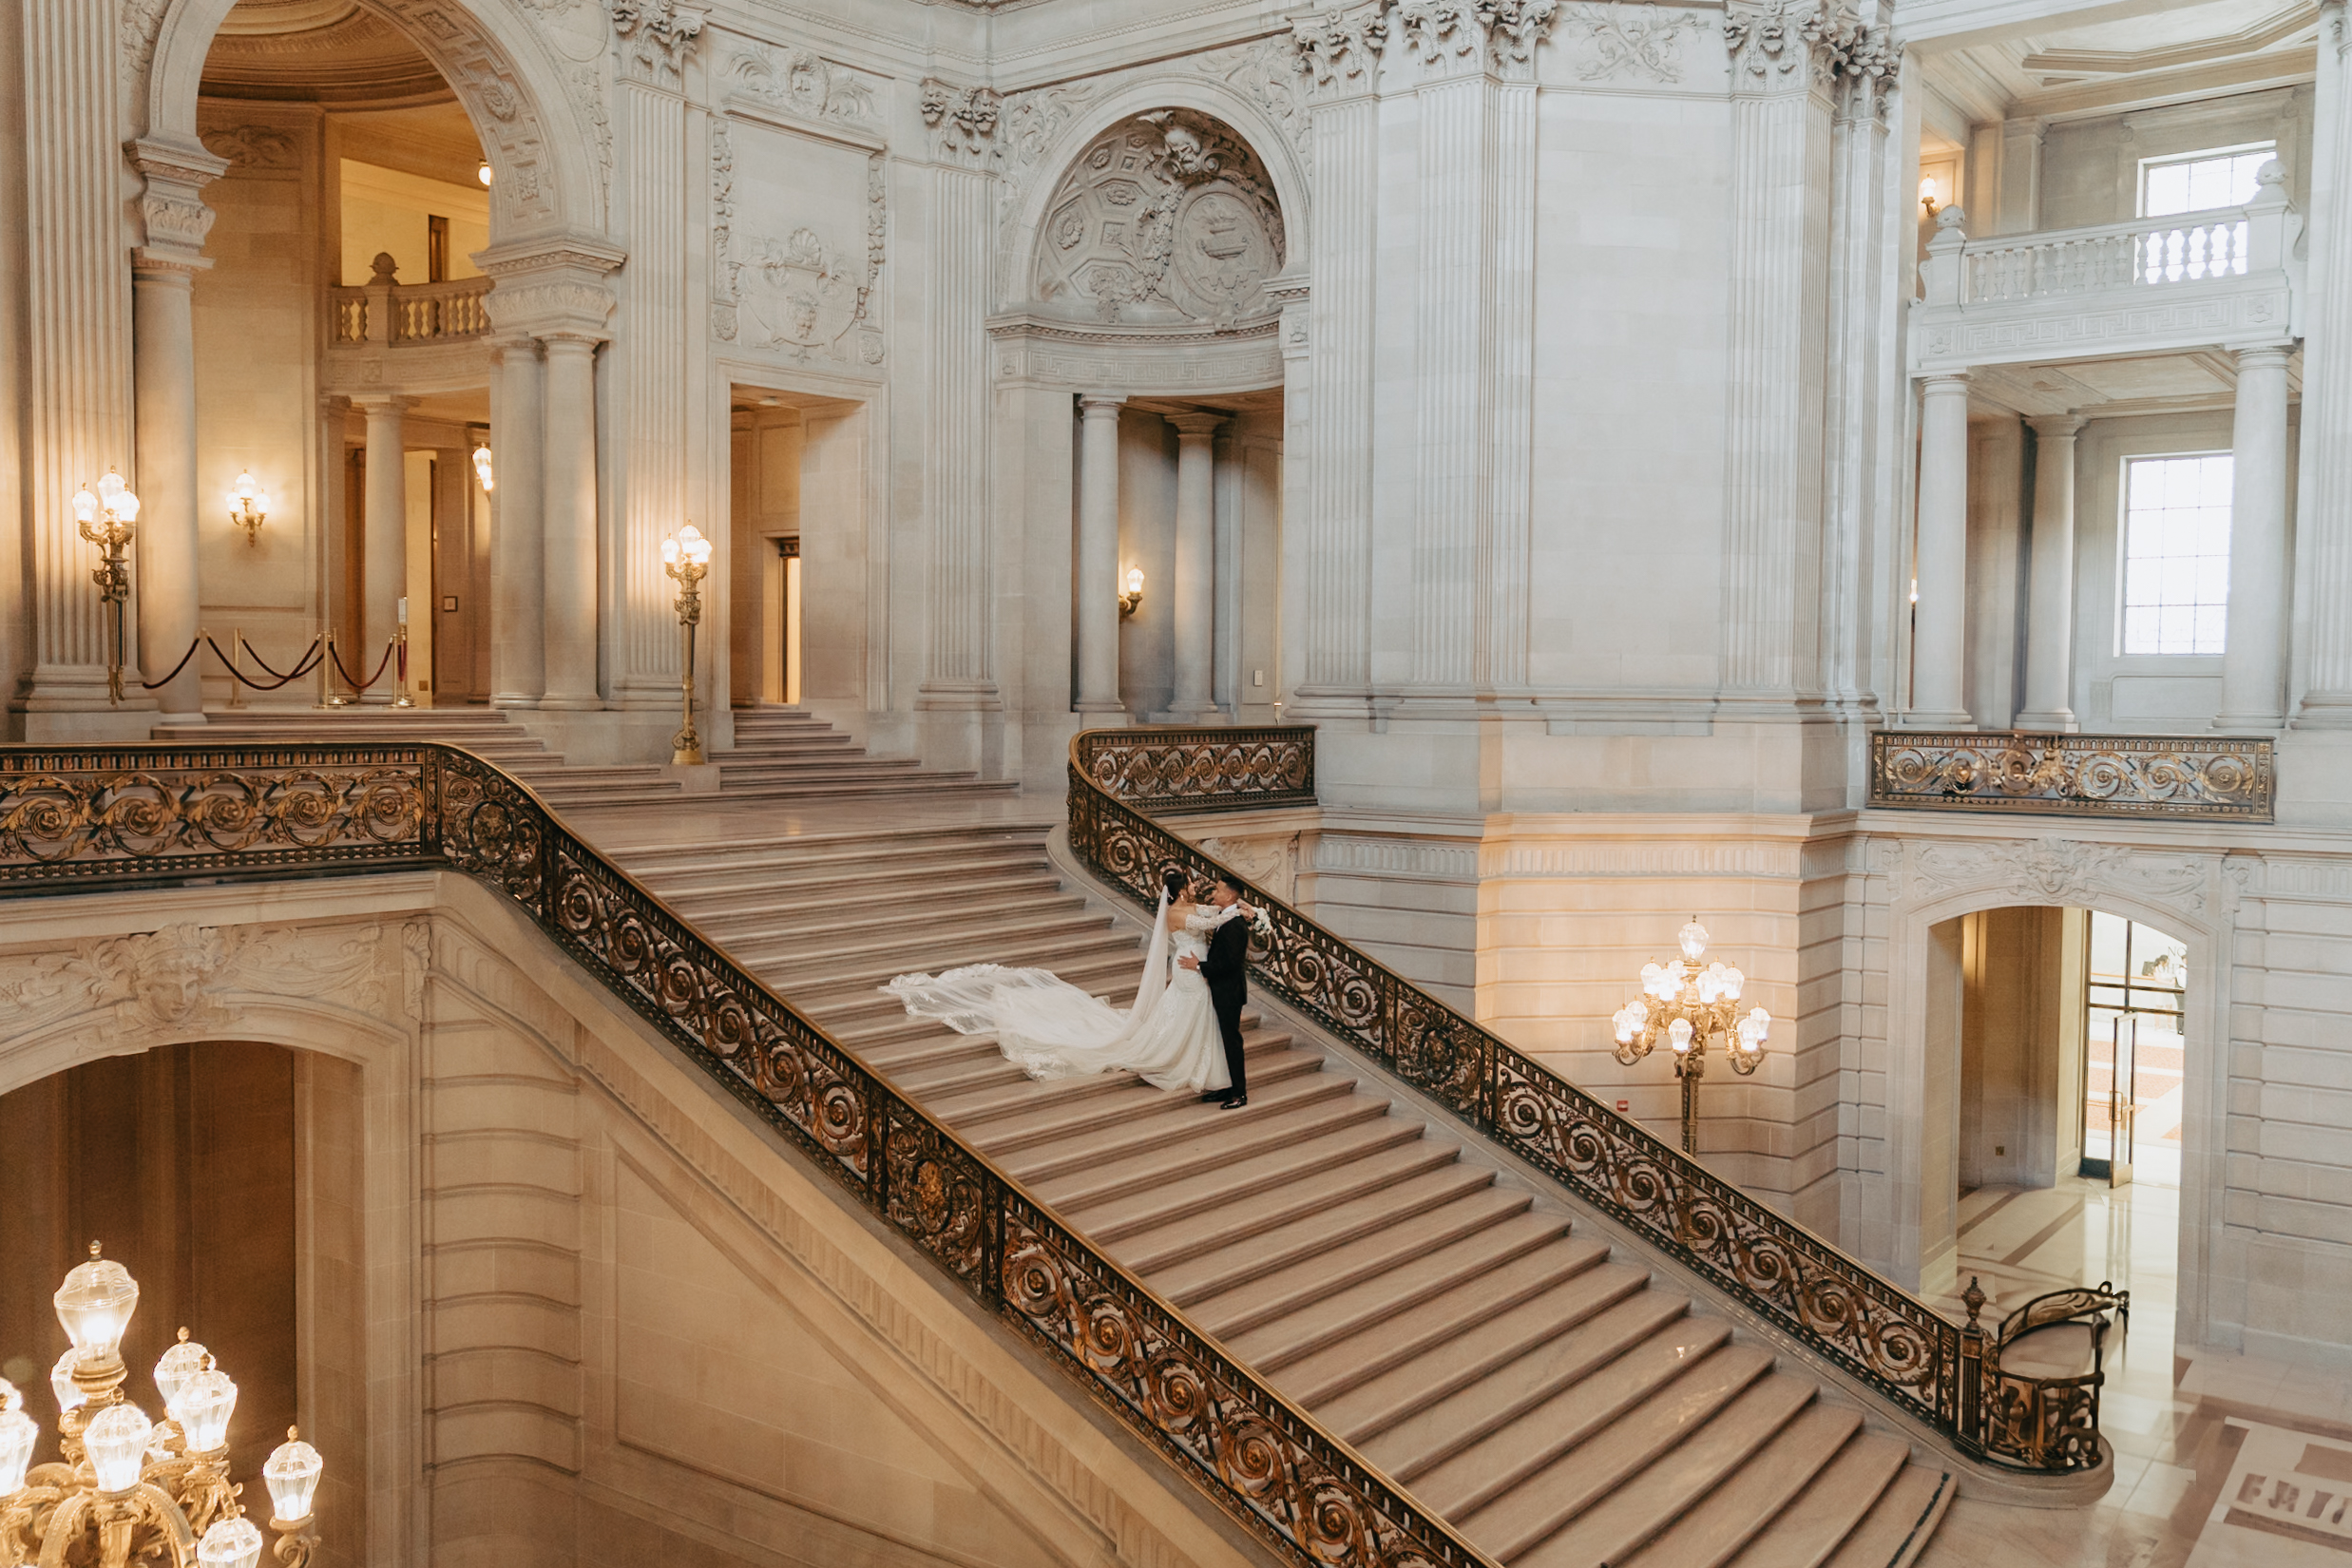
[
  {"x": 483, "y": 172},
  {"x": 1134, "y": 595},
  {"x": 249, "y": 506},
  {"x": 1930, "y": 195},
  {"x": 482, "y": 467},
  {"x": 108, "y": 517}
]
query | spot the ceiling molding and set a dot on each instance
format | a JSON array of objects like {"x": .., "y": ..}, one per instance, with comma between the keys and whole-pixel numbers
[{"x": 2279, "y": 28}]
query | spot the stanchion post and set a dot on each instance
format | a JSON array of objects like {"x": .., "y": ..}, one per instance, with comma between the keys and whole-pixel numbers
[
  {"x": 328, "y": 695},
  {"x": 400, "y": 661},
  {"x": 236, "y": 666}
]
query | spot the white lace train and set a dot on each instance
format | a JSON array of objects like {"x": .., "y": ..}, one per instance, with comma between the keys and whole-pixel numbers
[{"x": 1049, "y": 1028}]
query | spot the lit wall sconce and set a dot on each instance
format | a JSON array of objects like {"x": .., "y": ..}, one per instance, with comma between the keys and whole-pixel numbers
[
  {"x": 1133, "y": 598},
  {"x": 483, "y": 172},
  {"x": 482, "y": 468},
  {"x": 1931, "y": 195},
  {"x": 249, "y": 506}
]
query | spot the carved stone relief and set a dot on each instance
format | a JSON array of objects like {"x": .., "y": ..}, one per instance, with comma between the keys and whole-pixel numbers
[
  {"x": 798, "y": 293},
  {"x": 966, "y": 118},
  {"x": 1639, "y": 42},
  {"x": 655, "y": 35},
  {"x": 1267, "y": 74},
  {"x": 1341, "y": 48},
  {"x": 1770, "y": 40},
  {"x": 2060, "y": 870},
  {"x": 1166, "y": 217},
  {"x": 254, "y": 147},
  {"x": 804, "y": 84},
  {"x": 177, "y": 980}
]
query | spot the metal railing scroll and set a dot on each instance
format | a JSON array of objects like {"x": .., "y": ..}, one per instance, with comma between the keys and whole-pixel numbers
[
  {"x": 79, "y": 821},
  {"x": 1928, "y": 1365},
  {"x": 2144, "y": 777}
]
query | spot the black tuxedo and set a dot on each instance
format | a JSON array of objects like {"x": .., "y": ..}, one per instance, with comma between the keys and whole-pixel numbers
[{"x": 1225, "y": 969}]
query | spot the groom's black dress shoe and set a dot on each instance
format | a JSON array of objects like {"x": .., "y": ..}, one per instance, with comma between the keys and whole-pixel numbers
[
  {"x": 1236, "y": 1102},
  {"x": 1214, "y": 1095}
]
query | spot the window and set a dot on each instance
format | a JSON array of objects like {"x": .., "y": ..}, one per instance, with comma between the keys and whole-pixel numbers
[
  {"x": 2175, "y": 553},
  {"x": 2197, "y": 182}
]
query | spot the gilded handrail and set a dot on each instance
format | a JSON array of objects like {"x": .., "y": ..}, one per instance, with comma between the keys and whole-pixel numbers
[
  {"x": 1867, "y": 1325},
  {"x": 2145, "y": 777},
  {"x": 77, "y": 819}
]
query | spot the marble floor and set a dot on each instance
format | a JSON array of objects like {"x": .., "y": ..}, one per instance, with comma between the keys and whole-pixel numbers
[{"x": 2221, "y": 1462}]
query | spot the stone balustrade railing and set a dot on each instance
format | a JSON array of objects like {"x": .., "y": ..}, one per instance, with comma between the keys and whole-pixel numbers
[
  {"x": 2230, "y": 275},
  {"x": 2143, "y": 776},
  {"x": 399, "y": 314}
]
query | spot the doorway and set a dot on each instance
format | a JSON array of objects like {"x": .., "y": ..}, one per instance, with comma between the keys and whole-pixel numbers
[
  {"x": 796, "y": 549},
  {"x": 2136, "y": 998}
]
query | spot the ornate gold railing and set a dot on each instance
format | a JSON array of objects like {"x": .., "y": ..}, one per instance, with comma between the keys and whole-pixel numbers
[
  {"x": 2156, "y": 777},
  {"x": 77, "y": 820},
  {"x": 1933, "y": 1368},
  {"x": 1175, "y": 769}
]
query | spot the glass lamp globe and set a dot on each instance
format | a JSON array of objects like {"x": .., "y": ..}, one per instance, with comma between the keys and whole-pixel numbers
[
  {"x": 117, "y": 1442},
  {"x": 111, "y": 487},
  {"x": 18, "y": 1433},
  {"x": 1135, "y": 579},
  {"x": 1763, "y": 1020},
  {"x": 1678, "y": 1035},
  {"x": 292, "y": 1474},
  {"x": 1733, "y": 981},
  {"x": 1639, "y": 1011},
  {"x": 1694, "y": 939},
  {"x": 230, "y": 1543},
  {"x": 245, "y": 488},
  {"x": 1624, "y": 1026},
  {"x": 95, "y": 1305},
  {"x": 695, "y": 549},
  {"x": 483, "y": 471},
  {"x": 70, "y": 1394},
  {"x": 202, "y": 1408},
  {"x": 177, "y": 1365},
  {"x": 86, "y": 505}
]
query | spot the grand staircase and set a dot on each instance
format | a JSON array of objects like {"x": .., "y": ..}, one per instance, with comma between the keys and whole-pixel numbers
[
  {"x": 780, "y": 754},
  {"x": 1546, "y": 1396}
]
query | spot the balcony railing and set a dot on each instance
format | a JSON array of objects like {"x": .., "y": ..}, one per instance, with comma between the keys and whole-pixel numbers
[
  {"x": 403, "y": 314},
  {"x": 2141, "y": 776},
  {"x": 2229, "y": 274},
  {"x": 1945, "y": 1374}
]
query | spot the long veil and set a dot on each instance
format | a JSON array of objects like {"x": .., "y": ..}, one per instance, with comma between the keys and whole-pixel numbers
[{"x": 1045, "y": 1025}]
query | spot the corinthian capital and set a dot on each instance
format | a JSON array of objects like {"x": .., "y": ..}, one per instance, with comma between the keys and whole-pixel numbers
[
  {"x": 1819, "y": 44},
  {"x": 1339, "y": 46},
  {"x": 656, "y": 35}
]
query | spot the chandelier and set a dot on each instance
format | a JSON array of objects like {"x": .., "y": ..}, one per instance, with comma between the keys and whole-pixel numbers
[
  {"x": 130, "y": 1491},
  {"x": 1688, "y": 1005}
]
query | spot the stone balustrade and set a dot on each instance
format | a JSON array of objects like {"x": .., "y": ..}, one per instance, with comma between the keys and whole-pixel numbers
[
  {"x": 2227, "y": 275},
  {"x": 407, "y": 337}
]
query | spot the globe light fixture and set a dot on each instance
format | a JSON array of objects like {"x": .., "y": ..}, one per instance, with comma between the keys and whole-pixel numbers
[
  {"x": 128, "y": 1490},
  {"x": 482, "y": 467},
  {"x": 1132, "y": 600},
  {"x": 249, "y": 506},
  {"x": 105, "y": 516},
  {"x": 686, "y": 556},
  {"x": 1689, "y": 1005}
]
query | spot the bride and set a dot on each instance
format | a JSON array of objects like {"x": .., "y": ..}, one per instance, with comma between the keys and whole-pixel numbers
[{"x": 1049, "y": 1028}]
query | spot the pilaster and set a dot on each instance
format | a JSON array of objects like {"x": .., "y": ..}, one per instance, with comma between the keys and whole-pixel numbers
[{"x": 2324, "y": 530}]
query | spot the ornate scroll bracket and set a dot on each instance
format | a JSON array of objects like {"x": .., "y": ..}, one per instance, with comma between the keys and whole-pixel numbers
[{"x": 2160, "y": 778}]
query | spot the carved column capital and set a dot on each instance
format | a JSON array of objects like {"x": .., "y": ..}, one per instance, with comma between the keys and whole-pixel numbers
[
  {"x": 1340, "y": 48},
  {"x": 171, "y": 207},
  {"x": 657, "y": 36},
  {"x": 966, "y": 118},
  {"x": 1488, "y": 34},
  {"x": 1795, "y": 44}
]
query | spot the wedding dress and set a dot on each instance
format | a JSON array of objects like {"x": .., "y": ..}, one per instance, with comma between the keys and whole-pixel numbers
[{"x": 1049, "y": 1028}]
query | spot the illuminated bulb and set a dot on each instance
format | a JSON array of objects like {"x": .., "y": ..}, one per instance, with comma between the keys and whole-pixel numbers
[
  {"x": 482, "y": 468},
  {"x": 695, "y": 548},
  {"x": 202, "y": 1408},
  {"x": 1733, "y": 981},
  {"x": 1135, "y": 579},
  {"x": 482, "y": 172},
  {"x": 293, "y": 1476},
  {"x": 86, "y": 505},
  {"x": 116, "y": 1440},
  {"x": 1678, "y": 1035},
  {"x": 1694, "y": 939},
  {"x": 111, "y": 487},
  {"x": 95, "y": 1305},
  {"x": 1760, "y": 1021},
  {"x": 1624, "y": 1026},
  {"x": 18, "y": 1433},
  {"x": 230, "y": 1543},
  {"x": 70, "y": 1394},
  {"x": 177, "y": 1365},
  {"x": 1638, "y": 1012}
]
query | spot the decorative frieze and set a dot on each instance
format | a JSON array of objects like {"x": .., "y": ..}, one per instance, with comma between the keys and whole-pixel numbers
[
  {"x": 803, "y": 83},
  {"x": 251, "y": 147},
  {"x": 2060, "y": 870},
  {"x": 1639, "y": 42}
]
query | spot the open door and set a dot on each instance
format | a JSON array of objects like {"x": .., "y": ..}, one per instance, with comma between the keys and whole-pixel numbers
[
  {"x": 2135, "y": 1004},
  {"x": 2122, "y": 1100}
]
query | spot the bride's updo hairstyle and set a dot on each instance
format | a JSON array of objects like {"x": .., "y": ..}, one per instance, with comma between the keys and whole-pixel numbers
[{"x": 1175, "y": 882}]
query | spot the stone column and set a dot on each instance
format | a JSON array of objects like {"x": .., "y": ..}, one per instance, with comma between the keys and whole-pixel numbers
[
  {"x": 569, "y": 493},
  {"x": 2323, "y": 499},
  {"x": 1196, "y": 566},
  {"x": 163, "y": 371},
  {"x": 2050, "y": 585},
  {"x": 518, "y": 530},
  {"x": 1097, "y": 554},
  {"x": 1939, "y": 636},
  {"x": 2254, "y": 655},
  {"x": 384, "y": 545}
]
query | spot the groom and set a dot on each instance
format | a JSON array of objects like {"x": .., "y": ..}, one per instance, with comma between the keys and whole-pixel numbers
[{"x": 1225, "y": 969}]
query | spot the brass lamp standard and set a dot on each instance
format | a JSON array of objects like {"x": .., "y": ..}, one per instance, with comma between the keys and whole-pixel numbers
[
  {"x": 130, "y": 1491},
  {"x": 249, "y": 506},
  {"x": 686, "y": 556},
  {"x": 105, "y": 517},
  {"x": 1688, "y": 1005}
]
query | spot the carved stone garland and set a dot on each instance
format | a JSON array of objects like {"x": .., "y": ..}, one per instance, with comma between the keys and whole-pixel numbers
[{"x": 1167, "y": 218}]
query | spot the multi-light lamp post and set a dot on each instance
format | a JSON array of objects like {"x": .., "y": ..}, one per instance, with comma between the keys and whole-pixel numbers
[{"x": 1687, "y": 1006}]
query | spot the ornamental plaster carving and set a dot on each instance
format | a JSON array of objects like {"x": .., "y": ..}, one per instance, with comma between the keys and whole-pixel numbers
[
  {"x": 181, "y": 980},
  {"x": 1497, "y": 32},
  {"x": 415, "y": 963},
  {"x": 585, "y": 85},
  {"x": 142, "y": 24},
  {"x": 724, "y": 267},
  {"x": 1770, "y": 39},
  {"x": 254, "y": 147},
  {"x": 655, "y": 35},
  {"x": 1029, "y": 122},
  {"x": 1640, "y": 42},
  {"x": 798, "y": 296},
  {"x": 1168, "y": 217},
  {"x": 2060, "y": 870},
  {"x": 966, "y": 118},
  {"x": 1341, "y": 48},
  {"x": 509, "y": 125},
  {"x": 1270, "y": 863},
  {"x": 805, "y": 84},
  {"x": 1267, "y": 74}
]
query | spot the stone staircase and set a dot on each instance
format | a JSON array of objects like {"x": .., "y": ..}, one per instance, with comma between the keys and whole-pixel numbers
[
  {"x": 779, "y": 755},
  {"x": 1556, "y": 1405}
]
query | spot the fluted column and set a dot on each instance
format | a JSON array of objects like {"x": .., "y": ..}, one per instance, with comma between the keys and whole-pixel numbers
[
  {"x": 2049, "y": 590},
  {"x": 2324, "y": 500},
  {"x": 164, "y": 373},
  {"x": 1196, "y": 565},
  {"x": 1939, "y": 639},
  {"x": 384, "y": 544},
  {"x": 568, "y": 496},
  {"x": 1097, "y": 554},
  {"x": 2254, "y": 654},
  {"x": 518, "y": 530}
]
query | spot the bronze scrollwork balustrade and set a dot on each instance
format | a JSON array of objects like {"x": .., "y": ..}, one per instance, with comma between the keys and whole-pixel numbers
[
  {"x": 74, "y": 820},
  {"x": 2156, "y": 777},
  {"x": 1928, "y": 1365},
  {"x": 1175, "y": 769}
]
